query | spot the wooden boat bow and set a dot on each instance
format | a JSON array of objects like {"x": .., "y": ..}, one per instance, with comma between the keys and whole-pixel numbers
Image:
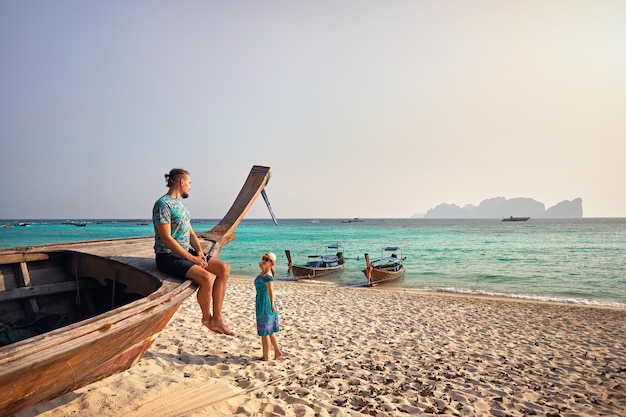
[
  {"x": 45, "y": 366},
  {"x": 223, "y": 233}
]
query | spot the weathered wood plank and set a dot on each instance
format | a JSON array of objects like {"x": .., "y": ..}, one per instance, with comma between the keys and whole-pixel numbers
[
  {"x": 14, "y": 258},
  {"x": 23, "y": 280},
  {"x": 46, "y": 289}
]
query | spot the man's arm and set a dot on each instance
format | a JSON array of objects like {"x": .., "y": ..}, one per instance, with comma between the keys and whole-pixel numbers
[
  {"x": 165, "y": 233},
  {"x": 195, "y": 242}
]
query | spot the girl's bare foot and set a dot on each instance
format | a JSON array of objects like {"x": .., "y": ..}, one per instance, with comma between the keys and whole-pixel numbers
[{"x": 278, "y": 355}]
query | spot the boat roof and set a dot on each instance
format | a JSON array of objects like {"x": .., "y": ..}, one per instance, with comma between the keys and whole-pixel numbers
[{"x": 392, "y": 248}]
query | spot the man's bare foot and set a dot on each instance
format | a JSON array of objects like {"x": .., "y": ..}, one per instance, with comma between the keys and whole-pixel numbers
[
  {"x": 207, "y": 325},
  {"x": 217, "y": 327}
]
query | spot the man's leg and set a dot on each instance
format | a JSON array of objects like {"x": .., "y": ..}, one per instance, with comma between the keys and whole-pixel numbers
[
  {"x": 205, "y": 282},
  {"x": 221, "y": 270}
]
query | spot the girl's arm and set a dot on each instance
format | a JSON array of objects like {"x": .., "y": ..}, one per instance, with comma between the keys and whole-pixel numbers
[{"x": 270, "y": 292}]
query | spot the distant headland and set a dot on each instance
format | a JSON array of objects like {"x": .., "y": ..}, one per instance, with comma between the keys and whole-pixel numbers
[{"x": 500, "y": 207}]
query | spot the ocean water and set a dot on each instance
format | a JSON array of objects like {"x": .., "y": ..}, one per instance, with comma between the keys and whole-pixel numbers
[{"x": 565, "y": 260}]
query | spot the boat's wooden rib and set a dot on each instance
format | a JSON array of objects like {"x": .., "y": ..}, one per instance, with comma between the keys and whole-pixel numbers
[{"x": 43, "y": 367}]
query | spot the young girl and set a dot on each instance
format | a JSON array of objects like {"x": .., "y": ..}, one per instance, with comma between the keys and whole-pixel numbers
[{"x": 266, "y": 313}]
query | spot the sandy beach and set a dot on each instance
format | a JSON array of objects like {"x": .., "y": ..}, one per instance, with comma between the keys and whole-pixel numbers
[{"x": 363, "y": 351}]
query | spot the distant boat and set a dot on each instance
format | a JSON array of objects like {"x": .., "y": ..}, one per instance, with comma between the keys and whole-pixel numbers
[
  {"x": 74, "y": 223},
  {"x": 386, "y": 269},
  {"x": 23, "y": 223},
  {"x": 515, "y": 219},
  {"x": 318, "y": 265},
  {"x": 314, "y": 221},
  {"x": 354, "y": 220}
]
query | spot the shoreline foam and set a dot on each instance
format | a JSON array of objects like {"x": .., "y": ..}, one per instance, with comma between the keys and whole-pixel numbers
[
  {"x": 464, "y": 293},
  {"x": 364, "y": 351}
]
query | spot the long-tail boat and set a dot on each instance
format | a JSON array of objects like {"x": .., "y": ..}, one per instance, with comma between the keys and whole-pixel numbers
[
  {"x": 386, "y": 268},
  {"x": 318, "y": 265},
  {"x": 87, "y": 310}
]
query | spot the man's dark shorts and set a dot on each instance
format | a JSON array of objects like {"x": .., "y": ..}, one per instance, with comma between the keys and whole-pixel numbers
[{"x": 172, "y": 264}]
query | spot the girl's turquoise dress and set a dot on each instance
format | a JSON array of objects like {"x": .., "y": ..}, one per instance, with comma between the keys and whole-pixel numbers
[{"x": 266, "y": 319}]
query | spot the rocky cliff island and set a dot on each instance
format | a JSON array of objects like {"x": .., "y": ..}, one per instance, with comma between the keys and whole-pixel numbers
[{"x": 500, "y": 207}]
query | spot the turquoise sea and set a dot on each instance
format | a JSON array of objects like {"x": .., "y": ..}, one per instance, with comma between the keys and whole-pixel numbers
[{"x": 565, "y": 260}]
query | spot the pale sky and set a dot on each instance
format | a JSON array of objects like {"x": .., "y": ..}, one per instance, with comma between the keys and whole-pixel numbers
[{"x": 362, "y": 108}]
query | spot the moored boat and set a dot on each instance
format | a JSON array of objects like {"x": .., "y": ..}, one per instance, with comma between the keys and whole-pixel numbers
[
  {"x": 387, "y": 268},
  {"x": 75, "y": 313},
  {"x": 515, "y": 219},
  {"x": 318, "y": 265}
]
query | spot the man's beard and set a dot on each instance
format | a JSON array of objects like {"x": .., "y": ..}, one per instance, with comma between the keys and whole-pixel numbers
[{"x": 185, "y": 195}]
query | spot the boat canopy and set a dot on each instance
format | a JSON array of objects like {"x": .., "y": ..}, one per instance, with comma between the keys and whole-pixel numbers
[
  {"x": 391, "y": 259},
  {"x": 392, "y": 248}
]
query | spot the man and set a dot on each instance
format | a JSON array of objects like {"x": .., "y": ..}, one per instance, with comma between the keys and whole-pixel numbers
[{"x": 179, "y": 252}]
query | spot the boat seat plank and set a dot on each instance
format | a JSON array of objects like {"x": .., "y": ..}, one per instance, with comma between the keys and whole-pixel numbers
[
  {"x": 46, "y": 289},
  {"x": 13, "y": 258}
]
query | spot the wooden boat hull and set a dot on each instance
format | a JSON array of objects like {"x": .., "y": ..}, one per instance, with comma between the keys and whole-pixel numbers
[
  {"x": 385, "y": 269},
  {"x": 382, "y": 275},
  {"x": 42, "y": 367},
  {"x": 318, "y": 265},
  {"x": 302, "y": 272}
]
